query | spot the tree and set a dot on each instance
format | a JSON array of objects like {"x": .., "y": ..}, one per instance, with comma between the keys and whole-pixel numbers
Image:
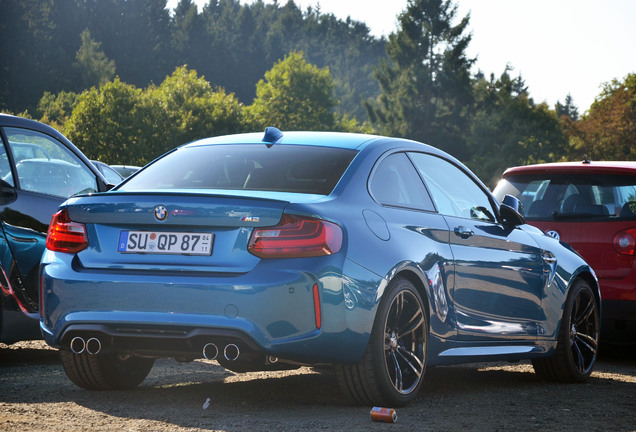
[
  {"x": 509, "y": 129},
  {"x": 115, "y": 124},
  {"x": 56, "y": 109},
  {"x": 136, "y": 34},
  {"x": 120, "y": 123},
  {"x": 567, "y": 109},
  {"x": 194, "y": 109},
  {"x": 295, "y": 95},
  {"x": 608, "y": 130},
  {"x": 426, "y": 88},
  {"x": 92, "y": 64},
  {"x": 189, "y": 37},
  {"x": 233, "y": 43},
  {"x": 28, "y": 51},
  {"x": 351, "y": 54}
]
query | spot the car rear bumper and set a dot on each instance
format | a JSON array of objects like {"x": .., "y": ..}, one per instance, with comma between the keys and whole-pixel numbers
[
  {"x": 620, "y": 289},
  {"x": 184, "y": 342},
  {"x": 269, "y": 311}
]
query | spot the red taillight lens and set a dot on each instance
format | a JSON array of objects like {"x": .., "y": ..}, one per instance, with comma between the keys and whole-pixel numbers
[
  {"x": 296, "y": 237},
  {"x": 65, "y": 235},
  {"x": 625, "y": 242}
]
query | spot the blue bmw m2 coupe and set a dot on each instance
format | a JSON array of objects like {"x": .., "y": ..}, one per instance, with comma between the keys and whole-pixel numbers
[{"x": 376, "y": 255}]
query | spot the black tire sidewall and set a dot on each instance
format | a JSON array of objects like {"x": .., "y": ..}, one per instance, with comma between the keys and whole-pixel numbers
[
  {"x": 579, "y": 287},
  {"x": 377, "y": 341}
]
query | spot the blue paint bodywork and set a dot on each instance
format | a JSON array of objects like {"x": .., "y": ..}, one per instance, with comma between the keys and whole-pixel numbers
[{"x": 490, "y": 296}]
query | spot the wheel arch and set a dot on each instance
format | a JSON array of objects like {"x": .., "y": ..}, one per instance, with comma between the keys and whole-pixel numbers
[
  {"x": 419, "y": 282},
  {"x": 588, "y": 276}
]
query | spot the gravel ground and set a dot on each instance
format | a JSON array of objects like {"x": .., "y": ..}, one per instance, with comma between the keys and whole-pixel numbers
[{"x": 35, "y": 395}]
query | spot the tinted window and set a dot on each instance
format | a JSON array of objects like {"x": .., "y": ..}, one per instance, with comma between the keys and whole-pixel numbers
[
  {"x": 454, "y": 192},
  {"x": 396, "y": 183},
  {"x": 282, "y": 168},
  {"x": 111, "y": 176},
  {"x": 47, "y": 166},
  {"x": 572, "y": 196}
]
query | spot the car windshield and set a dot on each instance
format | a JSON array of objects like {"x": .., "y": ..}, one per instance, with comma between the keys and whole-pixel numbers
[
  {"x": 281, "y": 168},
  {"x": 568, "y": 197}
]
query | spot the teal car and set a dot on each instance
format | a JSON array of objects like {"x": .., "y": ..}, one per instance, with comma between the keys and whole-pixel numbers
[
  {"x": 39, "y": 169},
  {"x": 377, "y": 256}
]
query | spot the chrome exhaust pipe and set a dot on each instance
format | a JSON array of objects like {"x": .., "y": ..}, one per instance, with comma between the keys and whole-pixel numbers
[
  {"x": 77, "y": 345},
  {"x": 210, "y": 351},
  {"x": 93, "y": 346},
  {"x": 231, "y": 352}
]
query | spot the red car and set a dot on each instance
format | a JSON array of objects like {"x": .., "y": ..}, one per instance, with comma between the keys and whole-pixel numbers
[{"x": 591, "y": 206}]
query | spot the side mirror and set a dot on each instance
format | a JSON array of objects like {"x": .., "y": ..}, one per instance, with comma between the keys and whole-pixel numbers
[
  {"x": 511, "y": 211},
  {"x": 7, "y": 193}
]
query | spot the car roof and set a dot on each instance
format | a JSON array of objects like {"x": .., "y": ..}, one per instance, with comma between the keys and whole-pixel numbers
[
  {"x": 11, "y": 120},
  {"x": 323, "y": 139},
  {"x": 584, "y": 167}
]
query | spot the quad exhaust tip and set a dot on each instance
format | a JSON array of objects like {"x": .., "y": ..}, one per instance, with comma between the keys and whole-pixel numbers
[
  {"x": 79, "y": 345},
  {"x": 231, "y": 352},
  {"x": 93, "y": 346},
  {"x": 210, "y": 351}
]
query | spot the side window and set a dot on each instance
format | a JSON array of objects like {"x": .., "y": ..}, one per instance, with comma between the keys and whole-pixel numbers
[
  {"x": 454, "y": 192},
  {"x": 110, "y": 174},
  {"x": 47, "y": 166},
  {"x": 395, "y": 183},
  {"x": 5, "y": 166}
]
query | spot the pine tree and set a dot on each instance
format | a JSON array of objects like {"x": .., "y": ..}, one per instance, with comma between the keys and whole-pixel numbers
[
  {"x": 426, "y": 89},
  {"x": 93, "y": 66}
]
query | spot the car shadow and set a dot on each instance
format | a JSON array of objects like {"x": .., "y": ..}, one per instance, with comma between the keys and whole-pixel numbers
[
  {"x": 27, "y": 353},
  {"x": 176, "y": 394}
]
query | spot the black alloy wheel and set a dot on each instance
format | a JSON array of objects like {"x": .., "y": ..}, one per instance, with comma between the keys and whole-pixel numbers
[
  {"x": 392, "y": 368},
  {"x": 577, "y": 347},
  {"x": 584, "y": 331},
  {"x": 404, "y": 342}
]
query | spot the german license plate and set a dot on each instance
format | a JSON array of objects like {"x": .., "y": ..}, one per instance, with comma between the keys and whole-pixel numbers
[{"x": 160, "y": 242}]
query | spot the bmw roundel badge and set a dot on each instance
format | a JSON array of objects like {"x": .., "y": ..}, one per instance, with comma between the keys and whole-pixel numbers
[{"x": 161, "y": 213}]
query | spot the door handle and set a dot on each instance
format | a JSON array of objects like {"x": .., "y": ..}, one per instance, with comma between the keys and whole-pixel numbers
[
  {"x": 549, "y": 258},
  {"x": 463, "y": 232}
]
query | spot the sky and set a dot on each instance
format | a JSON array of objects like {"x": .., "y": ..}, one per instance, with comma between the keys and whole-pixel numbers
[{"x": 559, "y": 47}]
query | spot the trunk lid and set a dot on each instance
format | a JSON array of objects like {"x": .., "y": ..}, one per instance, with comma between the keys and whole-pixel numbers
[{"x": 119, "y": 223}]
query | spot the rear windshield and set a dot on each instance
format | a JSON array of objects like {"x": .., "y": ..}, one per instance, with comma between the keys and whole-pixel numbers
[
  {"x": 281, "y": 168},
  {"x": 573, "y": 197}
]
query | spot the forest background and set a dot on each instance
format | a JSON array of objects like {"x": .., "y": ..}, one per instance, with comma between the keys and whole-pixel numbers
[{"x": 127, "y": 80}]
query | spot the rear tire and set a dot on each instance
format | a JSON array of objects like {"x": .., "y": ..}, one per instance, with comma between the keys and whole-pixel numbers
[
  {"x": 577, "y": 346},
  {"x": 107, "y": 371},
  {"x": 392, "y": 368}
]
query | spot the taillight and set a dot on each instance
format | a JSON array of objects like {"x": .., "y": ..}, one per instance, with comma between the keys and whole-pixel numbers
[
  {"x": 625, "y": 242},
  {"x": 296, "y": 237},
  {"x": 65, "y": 235}
]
